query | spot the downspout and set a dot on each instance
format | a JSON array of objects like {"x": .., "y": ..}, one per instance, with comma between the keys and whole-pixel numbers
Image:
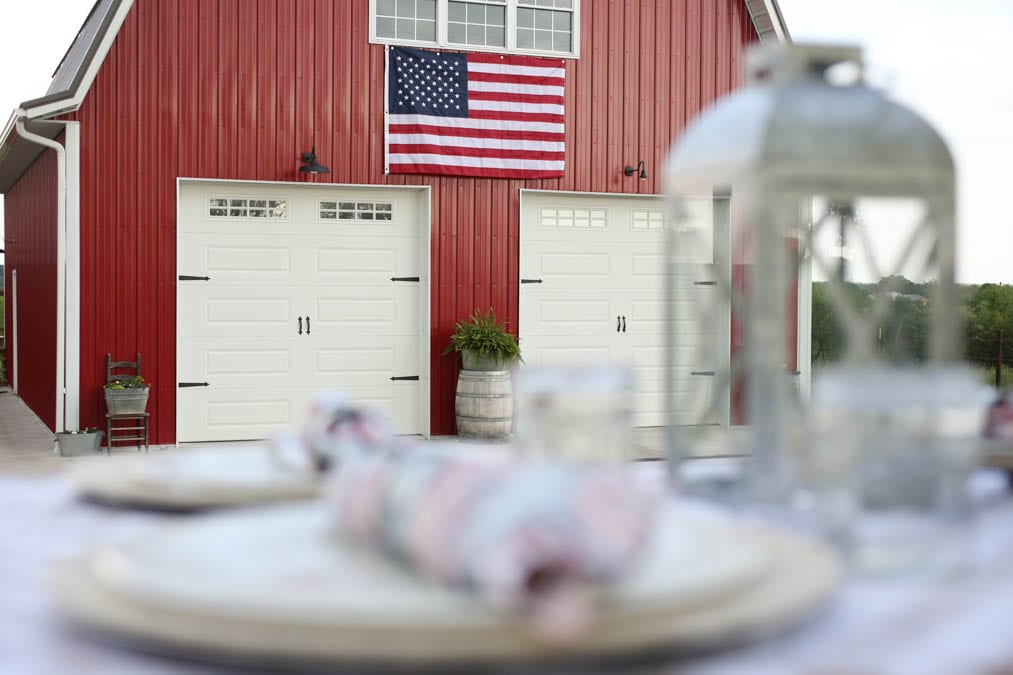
[{"x": 61, "y": 261}]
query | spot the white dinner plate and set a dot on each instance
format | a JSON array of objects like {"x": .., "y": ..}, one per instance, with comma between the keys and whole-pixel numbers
[{"x": 277, "y": 585}]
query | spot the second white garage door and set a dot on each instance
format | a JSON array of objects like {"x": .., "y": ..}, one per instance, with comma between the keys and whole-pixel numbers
[
  {"x": 591, "y": 294},
  {"x": 288, "y": 289}
]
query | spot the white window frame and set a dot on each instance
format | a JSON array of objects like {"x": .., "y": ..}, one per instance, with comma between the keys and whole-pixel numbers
[
  {"x": 357, "y": 221},
  {"x": 259, "y": 219},
  {"x": 442, "y": 14},
  {"x": 606, "y": 218}
]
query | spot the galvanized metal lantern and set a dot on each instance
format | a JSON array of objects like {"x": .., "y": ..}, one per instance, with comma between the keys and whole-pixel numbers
[{"x": 804, "y": 175}]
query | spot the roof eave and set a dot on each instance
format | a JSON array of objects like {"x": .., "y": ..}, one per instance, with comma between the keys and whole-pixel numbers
[
  {"x": 768, "y": 21},
  {"x": 16, "y": 154}
]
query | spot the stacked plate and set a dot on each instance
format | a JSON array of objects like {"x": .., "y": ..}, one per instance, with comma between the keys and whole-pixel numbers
[
  {"x": 277, "y": 586},
  {"x": 198, "y": 478}
]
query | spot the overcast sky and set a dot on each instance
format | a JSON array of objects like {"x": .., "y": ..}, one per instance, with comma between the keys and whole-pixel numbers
[{"x": 952, "y": 60}]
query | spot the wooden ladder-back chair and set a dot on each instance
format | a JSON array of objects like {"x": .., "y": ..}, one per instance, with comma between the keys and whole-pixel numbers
[{"x": 130, "y": 426}]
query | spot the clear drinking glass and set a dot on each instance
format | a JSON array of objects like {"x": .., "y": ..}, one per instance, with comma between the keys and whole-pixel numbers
[
  {"x": 901, "y": 443},
  {"x": 574, "y": 413}
]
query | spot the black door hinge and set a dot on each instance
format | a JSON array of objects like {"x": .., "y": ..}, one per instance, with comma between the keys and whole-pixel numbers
[
  {"x": 531, "y": 281},
  {"x": 184, "y": 385},
  {"x": 188, "y": 277},
  {"x": 404, "y": 377},
  {"x": 404, "y": 278}
]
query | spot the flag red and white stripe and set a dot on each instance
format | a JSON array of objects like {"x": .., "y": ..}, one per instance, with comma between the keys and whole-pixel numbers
[{"x": 513, "y": 126}]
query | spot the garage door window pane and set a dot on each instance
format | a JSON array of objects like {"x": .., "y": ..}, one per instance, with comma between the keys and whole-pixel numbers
[
  {"x": 245, "y": 207},
  {"x": 648, "y": 219},
  {"x": 332, "y": 210},
  {"x": 559, "y": 217}
]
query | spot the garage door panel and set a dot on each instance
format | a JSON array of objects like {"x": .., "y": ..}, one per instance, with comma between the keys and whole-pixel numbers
[
  {"x": 367, "y": 261},
  {"x": 375, "y": 363},
  {"x": 579, "y": 316},
  {"x": 367, "y": 311},
  {"x": 562, "y": 265},
  {"x": 648, "y": 268},
  {"x": 294, "y": 259},
  {"x": 224, "y": 414},
  {"x": 573, "y": 355},
  {"x": 371, "y": 362},
  {"x": 248, "y": 362},
  {"x": 242, "y": 258},
  {"x": 239, "y": 311},
  {"x": 601, "y": 266},
  {"x": 259, "y": 259},
  {"x": 223, "y": 363},
  {"x": 399, "y": 402}
]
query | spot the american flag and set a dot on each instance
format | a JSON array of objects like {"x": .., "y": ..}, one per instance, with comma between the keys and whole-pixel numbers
[{"x": 474, "y": 114}]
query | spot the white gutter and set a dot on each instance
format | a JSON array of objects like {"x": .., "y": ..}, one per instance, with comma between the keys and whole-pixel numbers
[{"x": 61, "y": 265}]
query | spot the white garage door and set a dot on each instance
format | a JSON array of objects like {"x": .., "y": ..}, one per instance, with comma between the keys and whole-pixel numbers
[
  {"x": 591, "y": 294},
  {"x": 288, "y": 289}
]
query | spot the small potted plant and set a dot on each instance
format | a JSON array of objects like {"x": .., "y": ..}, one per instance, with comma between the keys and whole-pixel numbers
[
  {"x": 484, "y": 403},
  {"x": 87, "y": 441},
  {"x": 484, "y": 344},
  {"x": 127, "y": 395}
]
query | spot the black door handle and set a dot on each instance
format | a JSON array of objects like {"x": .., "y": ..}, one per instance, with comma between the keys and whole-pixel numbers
[
  {"x": 307, "y": 325},
  {"x": 300, "y": 325},
  {"x": 618, "y": 323},
  {"x": 624, "y": 324}
]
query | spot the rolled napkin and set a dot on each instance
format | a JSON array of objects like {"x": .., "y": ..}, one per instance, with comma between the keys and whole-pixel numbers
[
  {"x": 536, "y": 538},
  {"x": 336, "y": 429}
]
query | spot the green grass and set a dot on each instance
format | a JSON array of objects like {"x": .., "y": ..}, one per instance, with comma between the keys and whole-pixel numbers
[{"x": 986, "y": 373}]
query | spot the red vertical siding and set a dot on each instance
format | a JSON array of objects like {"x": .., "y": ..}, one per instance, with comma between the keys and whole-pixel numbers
[
  {"x": 30, "y": 222},
  {"x": 166, "y": 117},
  {"x": 239, "y": 88}
]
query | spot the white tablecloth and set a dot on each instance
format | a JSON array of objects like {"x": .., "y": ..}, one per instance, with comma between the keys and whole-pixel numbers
[{"x": 912, "y": 627}]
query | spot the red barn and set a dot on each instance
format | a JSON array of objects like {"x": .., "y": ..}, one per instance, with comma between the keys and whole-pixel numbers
[{"x": 155, "y": 204}]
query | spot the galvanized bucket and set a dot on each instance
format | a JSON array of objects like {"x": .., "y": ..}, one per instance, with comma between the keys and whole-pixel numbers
[
  {"x": 78, "y": 444},
  {"x": 126, "y": 401}
]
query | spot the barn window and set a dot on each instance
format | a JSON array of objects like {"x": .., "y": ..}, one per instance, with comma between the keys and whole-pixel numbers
[
  {"x": 329, "y": 209},
  {"x": 524, "y": 26},
  {"x": 273, "y": 208}
]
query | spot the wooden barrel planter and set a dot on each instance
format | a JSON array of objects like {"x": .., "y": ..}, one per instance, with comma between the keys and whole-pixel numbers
[{"x": 484, "y": 402}]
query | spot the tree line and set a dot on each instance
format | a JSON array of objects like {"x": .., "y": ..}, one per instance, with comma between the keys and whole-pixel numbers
[{"x": 903, "y": 331}]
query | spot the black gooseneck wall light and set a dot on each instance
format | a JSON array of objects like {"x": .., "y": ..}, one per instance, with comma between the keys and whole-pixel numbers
[
  {"x": 642, "y": 168},
  {"x": 310, "y": 164}
]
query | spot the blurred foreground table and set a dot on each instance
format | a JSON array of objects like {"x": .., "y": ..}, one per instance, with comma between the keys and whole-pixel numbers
[{"x": 911, "y": 626}]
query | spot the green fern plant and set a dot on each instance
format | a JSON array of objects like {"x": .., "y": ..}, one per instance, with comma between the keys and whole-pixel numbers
[
  {"x": 482, "y": 335},
  {"x": 128, "y": 382}
]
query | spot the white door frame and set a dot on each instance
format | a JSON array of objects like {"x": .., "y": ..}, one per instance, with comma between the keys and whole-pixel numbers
[
  {"x": 425, "y": 273},
  {"x": 14, "y": 331}
]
